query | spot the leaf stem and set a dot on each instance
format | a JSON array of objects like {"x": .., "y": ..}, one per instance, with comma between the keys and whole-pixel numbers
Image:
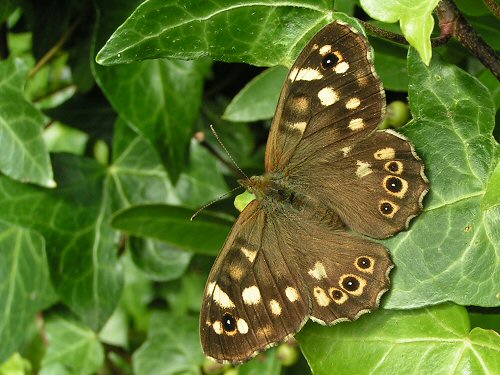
[
  {"x": 493, "y": 7},
  {"x": 452, "y": 22},
  {"x": 56, "y": 48}
]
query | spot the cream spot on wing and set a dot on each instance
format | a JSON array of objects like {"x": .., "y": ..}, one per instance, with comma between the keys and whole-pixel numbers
[
  {"x": 300, "y": 104},
  {"x": 356, "y": 124},
  {"x": 318, "y": 272},
  {"x": 265, "y": 331},
  {"x": 321, "y": 297},
  {"x": 362, "y": 80},
  {"x": 327, "y": 96},
  {"x": 364, "y": 169},
  {"x": 345, "y": 150},
  {"x": 221, "y": 298},
  {"x": 353, "y": 103},
  {"x": 293, "y": 74},
  {"x": 217, "y": 326},
  {"x": 291, "y": 294},
  {"x": 242, "y": 326},
  {"x": 314, "y": 47},
  {"x": 250, "y": 254},
  {"x": 299, "y": 126},
  {"x": 275, "y": 307},
  {"x": 384, "y": 153},
  {"x": 308, "y": 74},
  {"x": 236, "y": 272},
  {"x": 210, "y": 288},
  {"x": 327, "y": 48},
  {"x": 341, "y": 67},
  {"x": 251, "y": 295}
]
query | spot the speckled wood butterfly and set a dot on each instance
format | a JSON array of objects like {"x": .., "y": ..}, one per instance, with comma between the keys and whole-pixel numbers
[{"x": 290, "y": 255}]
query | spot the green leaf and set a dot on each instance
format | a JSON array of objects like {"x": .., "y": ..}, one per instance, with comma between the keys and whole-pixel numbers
[
  {"x": 451, "y": 251},
  {"x": 472, "y": 7},
  {"x": 258, "y": 99},
  {"x": 137, "y": 175},
  {"x": 434, "y": 340},
  {"x": 73, "y": 345},
  {"x": 491, "y": 197},
  {"x": 266, "y": 363},
  {"x": 264, "y": 34},
  {"x": 6, "y": 9},
  {"x": 15, "y": 365},
  {"x": 74, "y": 219},
  {"x": 161, "y": 112},
  {"x": 158, "y": 260},
  {"x": 489, "y": 80},
  {"x": 24, "y": 156},
  {"x": 390, "y": 64},
  {"x": 172, "y": 225},
  {"x": 415, "y": 18},
  {"x": 243, "y": 199},
  {"x": 25, "y": 286},
  {"x": 172, "y": 347}
]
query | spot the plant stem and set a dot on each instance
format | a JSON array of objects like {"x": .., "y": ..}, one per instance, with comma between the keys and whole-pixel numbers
[
  {"x": 454, "y": 23},
  {"x": 493, "y": 7}
]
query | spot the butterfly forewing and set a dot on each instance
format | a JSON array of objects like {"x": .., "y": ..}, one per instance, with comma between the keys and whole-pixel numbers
[
  {"x": 253, "y": 298},
  {"x": 331, "y": 97}
]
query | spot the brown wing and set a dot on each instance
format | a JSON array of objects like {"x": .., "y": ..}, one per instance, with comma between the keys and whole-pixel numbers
[
  {"x": 253, "y": 298},
  {"x": 331, "y": 98},
  {"x": 322, "y": 138}
]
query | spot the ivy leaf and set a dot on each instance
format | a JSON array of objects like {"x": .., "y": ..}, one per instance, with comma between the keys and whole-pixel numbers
[
  {"x": 172, "y": 225},
  {"x": 451, "y": 251},
  {"x": 172, "y": 347},
  {"x": 73, "y": 345},
  {"x": 425, "y": 341},
  {"x": 263, "y": 34},
  {"x": 161, "y": 113},
  {"x": 25, "y": 288},
  {"x": 266, "y": 363},
  {"x": 258, "y": 99},
  {"x": 24, "y": 156},
  {"x": 74, "y": 220},
  {"x": 415, "y": 18}
]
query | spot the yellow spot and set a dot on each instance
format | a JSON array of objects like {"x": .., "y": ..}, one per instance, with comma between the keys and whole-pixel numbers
[
  {"x": 236, "y": 272},
  {"x": 217, "y": 326},
  {"x": 265, "y": 331},
  {"x": 362, "y": 80},
  {"x": 291, "y": 294},
  {"x": 221, "y": 298},
  {"x": 356, "y": 124},
  {"x": 250, "y": 254},
  {"x": 242, "y": 326},
  {"x": 275, "y": 307},
  {"x": 299, "y": 126},
  {"x": 327, "y": 48},
  {"x": 300, "y": 104},
  {"x": 384, "y": 153},
  {"x": 210, "y": 288},
  {"x": 353, "y": 103},
  {"x": 327, "y": 96},
  {"x": 341, "y": 67},
  {"x": 364, "y": 169},
  {"x": 308, "y": 74},
  {"x": 345, "y": 150},
  {"x": 251, "y": 295},
  {"x": 318, "y": 272},
  {"x": 321, "y": 297}
]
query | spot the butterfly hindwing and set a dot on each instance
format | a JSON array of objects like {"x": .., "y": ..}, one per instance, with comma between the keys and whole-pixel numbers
[{"x": 253, "y": 298}]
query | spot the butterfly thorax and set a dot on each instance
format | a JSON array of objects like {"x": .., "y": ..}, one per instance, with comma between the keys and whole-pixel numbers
[{"x": 271, "y": 189}]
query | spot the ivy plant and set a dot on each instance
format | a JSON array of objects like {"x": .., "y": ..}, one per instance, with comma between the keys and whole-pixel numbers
[{"x": 106, "y": 152}]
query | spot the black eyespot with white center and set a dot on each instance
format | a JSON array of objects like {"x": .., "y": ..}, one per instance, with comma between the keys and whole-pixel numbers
[
  {"x": 228, "y": 322},
  {"x": 350, "y": 284},
  {"x": 394, "y": 184},
  {"x": 393, "y": 167},
  {"x": 386, "y": 208},
  {"x": 364, "y": 263},
  {"x": 329, "y": 61},
  {"x": 337, "y": 294}
]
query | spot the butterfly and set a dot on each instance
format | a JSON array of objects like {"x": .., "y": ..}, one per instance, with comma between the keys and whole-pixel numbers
[{"x": 297, "y": 251}]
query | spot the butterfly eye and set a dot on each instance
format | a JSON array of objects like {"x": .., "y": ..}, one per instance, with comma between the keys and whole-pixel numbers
[
  {"x": 329, "y": 61},
  {"x": 228, "y": 322}
]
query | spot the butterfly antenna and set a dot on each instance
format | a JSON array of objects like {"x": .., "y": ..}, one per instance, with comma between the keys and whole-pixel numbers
[
  {"x": 227, "y": 152},
  {"x": 214, "y": 201}
]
